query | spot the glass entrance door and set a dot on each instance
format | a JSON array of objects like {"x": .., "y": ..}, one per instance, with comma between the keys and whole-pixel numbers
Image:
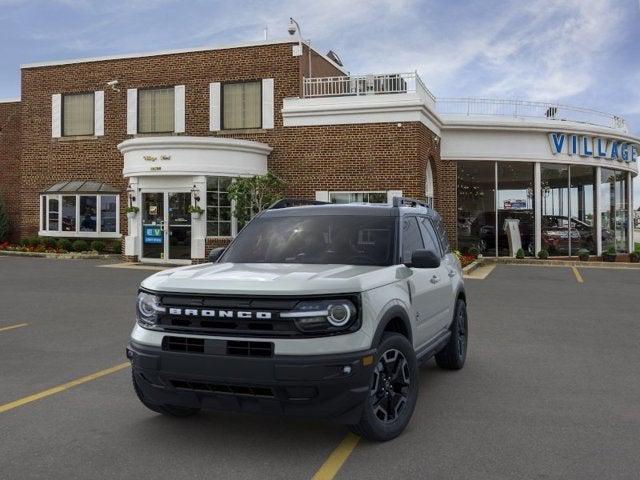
[{"x": 166, "y": 226}]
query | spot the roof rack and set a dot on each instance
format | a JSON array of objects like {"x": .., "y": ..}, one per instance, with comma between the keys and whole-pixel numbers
[
  {"x": 295, "y": 202},
  {"x": 408, "y": 202}
]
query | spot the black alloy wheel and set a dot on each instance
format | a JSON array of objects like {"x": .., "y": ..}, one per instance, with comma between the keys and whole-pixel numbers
[
  {"x": 454, "y": 354},
  {"x": 390, "y": 388}
]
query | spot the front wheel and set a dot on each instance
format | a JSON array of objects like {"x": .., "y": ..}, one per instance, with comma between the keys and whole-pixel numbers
[
  {"x": 393, "y": 391},
  {"x": 454, "y": 354}
]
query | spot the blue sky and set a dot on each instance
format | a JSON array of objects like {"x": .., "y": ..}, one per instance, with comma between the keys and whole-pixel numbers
[{"x": 579, "y": 52}]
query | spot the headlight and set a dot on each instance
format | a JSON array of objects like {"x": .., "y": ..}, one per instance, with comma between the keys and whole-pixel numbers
[
  {"x": 148, "y": 307},
  {"x": 323, "y": 316}
]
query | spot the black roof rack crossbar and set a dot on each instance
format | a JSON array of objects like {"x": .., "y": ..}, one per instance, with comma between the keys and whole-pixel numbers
[
  {"x": 408, "y": 202},
  {"x": 295, "y": 202}
]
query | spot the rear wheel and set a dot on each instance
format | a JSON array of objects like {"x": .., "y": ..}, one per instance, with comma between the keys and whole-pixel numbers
[
  {"x": 454, "y": 354},
  {"x": 393, "y": 391},
  {"x": 170, "y": 410}
]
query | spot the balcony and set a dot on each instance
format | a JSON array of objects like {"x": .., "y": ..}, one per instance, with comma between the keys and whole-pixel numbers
[{"x": 391, "y": 85}]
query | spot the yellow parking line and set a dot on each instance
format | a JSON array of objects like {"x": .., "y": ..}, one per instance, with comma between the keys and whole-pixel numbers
[
  {"x": 11, "y": 327},
  {"x": 576, "y": 272},
  {"x": 61, "y": 388},
  {"x": 332, "y": 465}
]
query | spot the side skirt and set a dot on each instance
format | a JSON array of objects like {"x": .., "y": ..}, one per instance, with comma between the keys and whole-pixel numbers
[{"x": 433, "y": 347}]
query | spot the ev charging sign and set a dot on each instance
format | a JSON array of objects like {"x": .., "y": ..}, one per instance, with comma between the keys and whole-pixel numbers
[{"x": 595, "y": 147}]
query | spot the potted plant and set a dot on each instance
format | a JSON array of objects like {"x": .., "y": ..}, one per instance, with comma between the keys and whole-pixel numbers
[
  {"x": 583, "y": 254},
  {"x": 520, "y": 254},
  {"x": 610, "y": 255},
  {"x": 195, "y": 211},
  {"x": 634, "y": 257},
  {"x": 543, "y": 254},
  {"x": 132, "y": 211}
]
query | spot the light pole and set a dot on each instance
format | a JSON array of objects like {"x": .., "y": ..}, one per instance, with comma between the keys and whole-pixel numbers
[{"x": 294, "y": 27}]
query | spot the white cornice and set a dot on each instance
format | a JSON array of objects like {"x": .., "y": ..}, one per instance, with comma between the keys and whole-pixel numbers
[
  {"x": 200, "y": 143},
  {"x": 10, "y": 100}
]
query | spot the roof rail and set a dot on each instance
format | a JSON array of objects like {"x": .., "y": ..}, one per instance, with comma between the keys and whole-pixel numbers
[
  {"x": 408, "y": 202},
  {"x": 294, "y": 202}
]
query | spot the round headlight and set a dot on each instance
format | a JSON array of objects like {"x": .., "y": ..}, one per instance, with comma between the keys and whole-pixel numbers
[
  {"x": 339, "y": 314},
  {"x": 148, "y": 309}
]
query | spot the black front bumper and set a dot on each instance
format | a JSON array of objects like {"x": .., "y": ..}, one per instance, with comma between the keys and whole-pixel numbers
[{"x": 309, "y": 386}]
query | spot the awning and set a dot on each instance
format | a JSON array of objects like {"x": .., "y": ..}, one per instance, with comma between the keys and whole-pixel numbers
[{"x": 81, "y": 186}]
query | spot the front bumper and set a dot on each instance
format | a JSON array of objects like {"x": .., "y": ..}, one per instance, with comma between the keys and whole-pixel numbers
[{"x": 322, "y": 386}]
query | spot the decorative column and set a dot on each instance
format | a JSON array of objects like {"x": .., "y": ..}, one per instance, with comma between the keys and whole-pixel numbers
[
  {"x": 131, "y": 241},
  {"x": 199, "y": 224},
  {"x": 598, "y": 212},
  {"x": 537, "y": 187}
]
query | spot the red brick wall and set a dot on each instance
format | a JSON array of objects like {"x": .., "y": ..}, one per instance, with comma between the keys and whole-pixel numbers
[{"x": 10, "y": 162}]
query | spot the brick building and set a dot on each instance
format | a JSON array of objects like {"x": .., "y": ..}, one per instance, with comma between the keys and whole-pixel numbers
[{"x": 162, "y": 131}]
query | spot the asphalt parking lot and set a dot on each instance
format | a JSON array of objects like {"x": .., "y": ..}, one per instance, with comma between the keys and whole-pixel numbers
[{"x": 550, "y": 390}]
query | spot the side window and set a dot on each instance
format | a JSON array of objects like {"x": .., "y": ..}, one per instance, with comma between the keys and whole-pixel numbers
[
  {"x": 444, "y": 240},
  {"x": 411, "y": 238},
  {"x": 430, "y": 237}
]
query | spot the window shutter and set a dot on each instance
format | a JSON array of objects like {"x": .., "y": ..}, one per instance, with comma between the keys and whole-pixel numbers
[
  {"x": 267, "y": 103},
  {"x": 322, "y": 196},
  {"x": 132, "y": 111},
  {"x": 179, "y": 108},
  {"x": 214, "y": 106},
  {"x": 98, "y": 111},
  {"x": 391, "y": 194},
  {"x": 56, "y": 115}
]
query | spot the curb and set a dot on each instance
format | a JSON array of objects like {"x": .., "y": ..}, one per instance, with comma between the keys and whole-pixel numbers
[
  {"x": 561, "y": 263},
  {"x": 59, "y": 256},
  {"x": 478, "y": 262}
]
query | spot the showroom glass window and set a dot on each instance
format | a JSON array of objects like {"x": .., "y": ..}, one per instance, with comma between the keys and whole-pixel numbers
[
  {"x": 219, "y": 218},
  {"x": 515, "y": 204},
  {"x": 554, "y": 197},
  {"x": 78, "y": 114},
  {"x": 358, "y": 197},
  {"x": 614, "y": 209},
  {"x": 242, "y": 105},
  {"x": 80, "y": 215},
  {"x": 156, "y": 110},
  {"x": 476, "y": 207},
  {"x": 582, "y": 198}
]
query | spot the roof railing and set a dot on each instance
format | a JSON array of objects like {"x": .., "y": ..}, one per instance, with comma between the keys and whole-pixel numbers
[
  {"x": 294, "y": 202},
  {"x": 409, "y": 202}
]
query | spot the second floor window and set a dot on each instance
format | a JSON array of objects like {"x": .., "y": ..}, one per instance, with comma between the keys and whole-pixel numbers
[
  {"x": 78, "y": 114},
  {"x": 242, "y": 105},
  {"x": 156, "y": 110}
]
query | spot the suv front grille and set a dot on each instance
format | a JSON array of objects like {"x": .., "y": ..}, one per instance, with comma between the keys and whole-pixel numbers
[
  {"x": 246, "y": 390},
  {"x": 250, "y": 349}
]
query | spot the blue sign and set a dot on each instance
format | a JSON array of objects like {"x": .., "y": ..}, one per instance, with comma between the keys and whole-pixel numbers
[
  {"x": 588, "y": 146},
  {"x": 153, "y": 234}
]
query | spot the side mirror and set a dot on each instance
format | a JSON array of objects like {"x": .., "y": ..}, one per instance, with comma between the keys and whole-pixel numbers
[
  {"x": 424, "y": 259},
  {"x": 215, "y": 254}
]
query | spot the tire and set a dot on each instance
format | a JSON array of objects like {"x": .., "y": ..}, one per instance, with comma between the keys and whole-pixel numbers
[
  {"x": 169, "y": 410},
  {"x": 393, "y": 391},
  {"x": 454, "y": 354}
]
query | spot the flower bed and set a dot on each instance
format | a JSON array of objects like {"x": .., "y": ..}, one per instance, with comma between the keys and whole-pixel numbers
[
  {"x": 467, "y": 260},
  {"x": 10, "y": 247}
]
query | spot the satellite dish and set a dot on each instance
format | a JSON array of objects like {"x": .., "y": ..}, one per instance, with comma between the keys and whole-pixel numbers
[{"x": 334, "y": 56}]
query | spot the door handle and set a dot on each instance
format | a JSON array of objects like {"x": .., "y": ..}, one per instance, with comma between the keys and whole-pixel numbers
[
  {"x": 435, "y": 279},
  {"x": 452, "y": 273}
]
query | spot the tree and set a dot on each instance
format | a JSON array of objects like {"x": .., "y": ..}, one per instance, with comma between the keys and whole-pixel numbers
[
  {"x": 254, "y": 194},
  {"x": 4, "y": 221}
]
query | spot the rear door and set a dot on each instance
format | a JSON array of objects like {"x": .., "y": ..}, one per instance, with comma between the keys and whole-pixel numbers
[{"x": 426, "y": 285}]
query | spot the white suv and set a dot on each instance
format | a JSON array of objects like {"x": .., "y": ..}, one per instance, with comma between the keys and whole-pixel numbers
[{"x": 316, "y": 310}]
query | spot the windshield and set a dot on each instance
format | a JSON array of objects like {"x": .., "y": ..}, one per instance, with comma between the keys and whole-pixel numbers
[{"x": 323, "y": 239}]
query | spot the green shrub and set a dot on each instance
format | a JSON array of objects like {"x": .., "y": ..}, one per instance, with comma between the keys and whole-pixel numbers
[
  {"x": 611, "y": 250},
  {"x": 116, "y": 246},
  {"x": 48, "y": 242},
  {"x": 34, "y": 241},
  {"x": 80, "y": 246},
  {"x": 24, "y": 242},
  {"x": 583, "y": 254},
  {"x": 520, "y": 254},
  {"x": 634, "y": 257},
  {"x": 5, "y": 228},
  {"x": 474, "y": 251},
  {"x": 65, "y": 244},
  {"x": 98, "y": 246},
  {"x": 543, "y": 254}
]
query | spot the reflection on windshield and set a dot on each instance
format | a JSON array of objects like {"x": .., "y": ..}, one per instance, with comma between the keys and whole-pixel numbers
[{"x": 323, "y": 239}]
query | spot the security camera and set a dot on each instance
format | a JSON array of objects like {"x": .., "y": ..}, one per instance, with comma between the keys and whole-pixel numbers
[
  {"x": 291, "y": 29},
  {"x": 113, "y": 84}
]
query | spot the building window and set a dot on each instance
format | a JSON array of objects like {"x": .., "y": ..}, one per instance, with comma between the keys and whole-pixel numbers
[
  {"x": 219, "y": 215},
  {"x": 78, "y": 114},
  {"x": 242, "y": 105},
  {"x": 358, "y": 197},
  {"x": 156, "y": 110},
  {"x": 80, "y": 215},
  {"x": 614, "y": 210}
]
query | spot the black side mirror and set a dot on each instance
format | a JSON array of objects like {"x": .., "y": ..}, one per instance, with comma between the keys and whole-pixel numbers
[
  {"x": 215, "y": 254},
  {"x": 424, "y": 259}
]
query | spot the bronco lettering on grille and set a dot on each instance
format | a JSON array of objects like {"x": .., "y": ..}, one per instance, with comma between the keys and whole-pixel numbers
[{"x": 243, "y": 315}]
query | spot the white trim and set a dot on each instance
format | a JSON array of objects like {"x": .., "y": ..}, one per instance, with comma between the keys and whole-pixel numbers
[
  {"x": 44, "y": 197},
  {"x": 56, "y": 115},
  {"x": 598, "y": 208},
  {"x": 132, "y": 111},
  {"x": 537, "y": 203},
  {"x": 267, "y": 103},
  {"x": 391, "y": 194},
  {"x": 630, "y": 220},
  {"x": 63, "y": 234},
  {"x": 98, "y": 113},
  {"x": 322, "y": 195},
  {"x": 10, "y": 100},
  {"x": 179, "y": 108},
  {"x": 173, "y": 52},
  {"x": 214, "y": 107}
]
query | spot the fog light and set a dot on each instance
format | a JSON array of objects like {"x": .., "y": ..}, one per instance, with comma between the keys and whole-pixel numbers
[{"x": 346, "y": 370}]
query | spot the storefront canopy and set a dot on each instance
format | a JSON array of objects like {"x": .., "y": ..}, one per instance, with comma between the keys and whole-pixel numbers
[{"x": 81, "y": 186}]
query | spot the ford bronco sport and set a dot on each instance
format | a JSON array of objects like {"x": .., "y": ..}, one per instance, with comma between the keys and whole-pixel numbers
[{"x": 321, "y": 311}]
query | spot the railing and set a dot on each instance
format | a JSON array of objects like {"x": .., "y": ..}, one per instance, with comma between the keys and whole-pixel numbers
[
  {"x": 366, "y": 85},
  {"x": 527, "y": 109}
]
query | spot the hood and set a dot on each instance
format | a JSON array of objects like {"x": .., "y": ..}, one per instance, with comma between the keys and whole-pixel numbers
[{"x": 271, "y": 279}]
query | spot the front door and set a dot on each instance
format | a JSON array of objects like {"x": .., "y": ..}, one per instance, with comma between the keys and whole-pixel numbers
[{"x": 166, "y": 226}]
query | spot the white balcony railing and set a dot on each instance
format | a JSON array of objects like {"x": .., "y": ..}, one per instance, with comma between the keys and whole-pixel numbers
[
  {"x": 527, "y": 109},
  {"x": 366, "y": 85}
]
